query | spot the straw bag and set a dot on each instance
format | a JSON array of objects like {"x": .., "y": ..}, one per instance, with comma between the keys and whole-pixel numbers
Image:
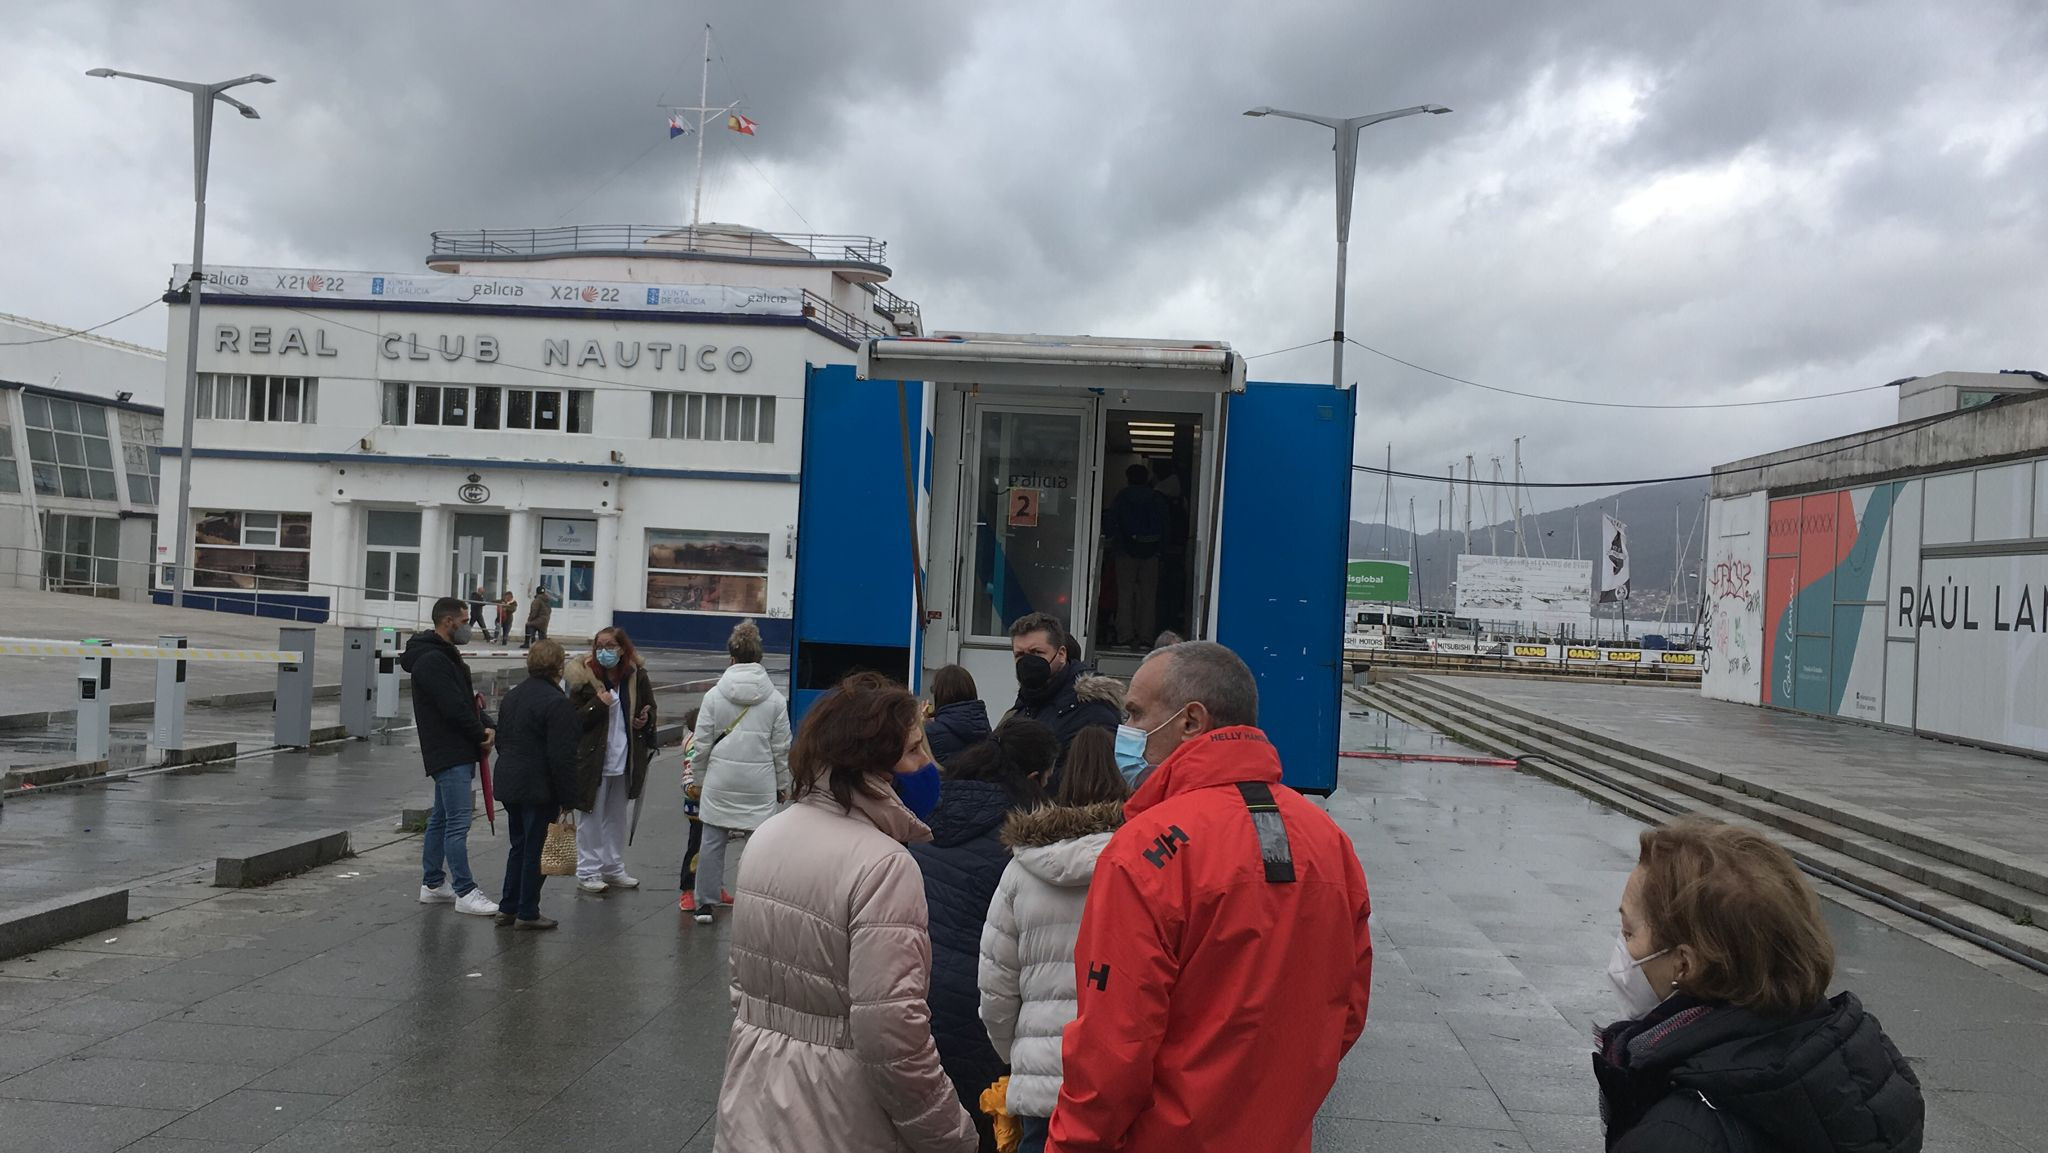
[{"x": 558, "y": 852}]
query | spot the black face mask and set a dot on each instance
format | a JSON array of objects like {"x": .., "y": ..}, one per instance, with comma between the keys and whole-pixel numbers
[{"x": 1034, "y": 673}]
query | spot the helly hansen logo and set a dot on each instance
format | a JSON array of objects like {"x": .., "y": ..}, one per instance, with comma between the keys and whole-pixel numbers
[
  {"x": 1098, "y": 976},
  {"x": 1165, "y": 846}
]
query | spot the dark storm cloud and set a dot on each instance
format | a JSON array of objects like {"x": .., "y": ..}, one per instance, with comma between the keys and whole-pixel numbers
[{"x": 1649, "y": 202}]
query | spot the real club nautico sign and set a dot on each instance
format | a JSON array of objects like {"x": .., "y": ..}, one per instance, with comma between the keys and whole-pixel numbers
[{"x": 567, "y": 352}]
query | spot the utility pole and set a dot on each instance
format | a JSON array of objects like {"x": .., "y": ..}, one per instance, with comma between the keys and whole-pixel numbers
[{"x": 1493, "y": 511}]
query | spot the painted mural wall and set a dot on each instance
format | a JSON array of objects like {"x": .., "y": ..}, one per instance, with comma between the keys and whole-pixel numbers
[
  {"x": 1825, "y": 573},
  {"x": 1735, "y": 599}
]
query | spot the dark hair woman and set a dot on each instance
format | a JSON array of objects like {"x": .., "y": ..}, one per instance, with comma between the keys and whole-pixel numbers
[
  {"x": 843, "y": 1057},
  {"x": 1027, "y": 948},
  {"x": 959, "y": 719},
  {"x": 1732, "y": 1043},
  {"x": 536, "y": 777},
  {"x": 614, "y": 701},
  {"x": 963, "y": 864}
]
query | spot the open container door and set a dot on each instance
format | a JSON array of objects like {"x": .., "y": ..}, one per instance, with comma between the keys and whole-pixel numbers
[
  {"x": 1280, "y": 571},
  {"x": 858, "y": 558}
]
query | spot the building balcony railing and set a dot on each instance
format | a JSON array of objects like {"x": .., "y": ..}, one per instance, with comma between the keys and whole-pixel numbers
[
  {"x": 515, "y": 243},
  {"x": 837, "y": 320}
]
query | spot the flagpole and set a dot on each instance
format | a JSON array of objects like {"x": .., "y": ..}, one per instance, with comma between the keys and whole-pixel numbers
[{"x": 703, "y": 99}]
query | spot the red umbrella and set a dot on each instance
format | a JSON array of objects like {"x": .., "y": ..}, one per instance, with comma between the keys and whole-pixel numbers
[{"x": 483, "y": 772}]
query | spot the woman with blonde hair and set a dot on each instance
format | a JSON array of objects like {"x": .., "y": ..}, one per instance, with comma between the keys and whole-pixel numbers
[
  {"x": 741, "y": 760},
  {"x": 1732, "y": 1044}
]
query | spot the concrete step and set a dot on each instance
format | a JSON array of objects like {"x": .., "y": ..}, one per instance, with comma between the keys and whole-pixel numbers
[
  {"x": 2017, "y": 902},
  {"x": 1999, "y": 864},
  {"x": 1952, "y": 896}
]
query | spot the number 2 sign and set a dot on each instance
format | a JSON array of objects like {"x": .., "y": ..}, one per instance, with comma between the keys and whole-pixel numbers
[{"x": 1023, "y": 504}]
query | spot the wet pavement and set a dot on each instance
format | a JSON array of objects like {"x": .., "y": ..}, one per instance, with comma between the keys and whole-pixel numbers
[{"x": 332, "y": 1012}]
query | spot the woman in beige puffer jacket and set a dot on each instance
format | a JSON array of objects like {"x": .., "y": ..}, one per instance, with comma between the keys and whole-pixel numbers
[{"x": 831, "y": 958}]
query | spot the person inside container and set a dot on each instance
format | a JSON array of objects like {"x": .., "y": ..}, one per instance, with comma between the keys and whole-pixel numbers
[
  {"x": 1731, "y": 1041},
  {"x": 1136, "y": 528}
]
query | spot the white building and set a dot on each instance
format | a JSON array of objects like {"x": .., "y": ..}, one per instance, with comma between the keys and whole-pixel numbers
[
  {"x": 80, "y": 416},
  {"x": 614, "y": 413}
]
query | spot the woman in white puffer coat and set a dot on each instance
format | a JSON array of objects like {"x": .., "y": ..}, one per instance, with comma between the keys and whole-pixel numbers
[
  {"x": 1027, "y": 946},
  {"x": 741, "y": 759}
]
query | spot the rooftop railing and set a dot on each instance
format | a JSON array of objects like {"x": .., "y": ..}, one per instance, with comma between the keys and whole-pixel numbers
[{"x": 487, "y": 243}]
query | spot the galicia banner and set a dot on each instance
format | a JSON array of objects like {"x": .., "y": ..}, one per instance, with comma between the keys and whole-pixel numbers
[{"x": 496, "y": 291}]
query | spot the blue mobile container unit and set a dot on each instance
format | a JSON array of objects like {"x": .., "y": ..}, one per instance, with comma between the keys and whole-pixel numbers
[{"x": 952, "y": 484}]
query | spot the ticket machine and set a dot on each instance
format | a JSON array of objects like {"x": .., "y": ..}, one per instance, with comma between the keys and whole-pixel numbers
[{"x": 954, "y": 483}]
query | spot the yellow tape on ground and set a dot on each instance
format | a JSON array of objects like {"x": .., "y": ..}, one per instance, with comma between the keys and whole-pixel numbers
[{"x": 148, "y": 652}]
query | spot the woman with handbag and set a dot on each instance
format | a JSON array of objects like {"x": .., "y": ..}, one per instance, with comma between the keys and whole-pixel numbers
[
  {"x": 831, "y": 1044},
  {"x": 536, "y": 778},
  {"x": 614, "y": 703},
  {"x": 742, "y": 760}
]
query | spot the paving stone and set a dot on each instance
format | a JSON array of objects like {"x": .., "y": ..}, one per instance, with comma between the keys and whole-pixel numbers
[
  {"x": 249, "y": 1115},
  {"x": 96, "y": 1016},
  {"x": 322, "y": 1135},
  {"x": 325, "y": 1072},
  {"x": 1346, "y": 1135},
  {"x": 177, "y": 988},
  {"x": 1560, "y": 1133},
  {"x": 59, "y": 1127},
  {"x": 213, "y": 1043},
  {"x": 1359, "y": 1099},
  {"x": 288, "y": 1011},
  {"x": 114, "y": 1081},
  {"x": 24, "y": 1049},
  {"x": 157, "y": 1144}
]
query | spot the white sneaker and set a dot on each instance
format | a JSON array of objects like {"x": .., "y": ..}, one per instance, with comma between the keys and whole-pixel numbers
[
  {"x": 445, "y": 895},
  {"x": 476, "y": 904},
  {"x": 592, "y": 885},
  {"x": 622, "y": 881}
]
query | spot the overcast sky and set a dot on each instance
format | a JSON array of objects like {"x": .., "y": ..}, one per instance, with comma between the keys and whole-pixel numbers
[{"x": 1654, "y": 202}]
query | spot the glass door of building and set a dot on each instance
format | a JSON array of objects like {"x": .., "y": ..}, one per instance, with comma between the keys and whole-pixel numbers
[{"x": 1028, "y": 522}]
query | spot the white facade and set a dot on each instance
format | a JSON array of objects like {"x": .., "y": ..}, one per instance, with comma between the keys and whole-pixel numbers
[
  {"x": 79, "y": 422},
  {"x": 368, "y": 442}
]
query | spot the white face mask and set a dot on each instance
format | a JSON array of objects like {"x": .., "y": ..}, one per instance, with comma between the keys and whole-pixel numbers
[{"x": 1626, "y": 973}]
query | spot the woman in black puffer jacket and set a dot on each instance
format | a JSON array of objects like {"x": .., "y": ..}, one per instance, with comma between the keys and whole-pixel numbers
[
  {"x": 1733, "y": 1045},
  {"x": 962, "y": 865},
  {"x": 959, "y": 721}
]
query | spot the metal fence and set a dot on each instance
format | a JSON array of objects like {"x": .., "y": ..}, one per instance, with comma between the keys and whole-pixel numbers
[{"x": 615, "y": 238}]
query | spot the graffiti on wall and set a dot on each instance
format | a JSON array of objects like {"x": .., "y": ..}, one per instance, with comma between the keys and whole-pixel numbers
[{"x": 1734, "y": 592}]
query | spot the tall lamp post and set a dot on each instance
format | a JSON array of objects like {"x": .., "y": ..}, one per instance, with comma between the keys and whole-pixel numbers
[
  {"x": 1347, "y": 129},
  {"x": 203, "y": 96}
]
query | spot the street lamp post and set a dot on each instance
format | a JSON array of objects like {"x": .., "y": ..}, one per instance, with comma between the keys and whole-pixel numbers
[
  {"x": 1347, "y": 130},
  {"x": 203, "y": 96}
]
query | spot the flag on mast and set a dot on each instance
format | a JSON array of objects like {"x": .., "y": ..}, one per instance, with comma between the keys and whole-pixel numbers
[
  {"x": 1614, "y": 571},
  {"x": 676, "y": 127},
  {"x": 740, "y": 124}
]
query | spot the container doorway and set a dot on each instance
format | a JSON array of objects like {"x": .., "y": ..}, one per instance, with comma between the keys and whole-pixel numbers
[{"x": 1148, "y": 510}]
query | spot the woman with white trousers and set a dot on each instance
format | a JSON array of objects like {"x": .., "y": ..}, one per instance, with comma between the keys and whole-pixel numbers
[{"x": 742, "y": 758}]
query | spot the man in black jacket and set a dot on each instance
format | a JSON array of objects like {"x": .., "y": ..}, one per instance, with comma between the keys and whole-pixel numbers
[
  {"x": 1054, "y": 688},
  {"x": 454, "y": 731}
]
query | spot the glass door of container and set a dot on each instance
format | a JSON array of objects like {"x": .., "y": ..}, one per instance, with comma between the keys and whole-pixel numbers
[{"x": 1030, "y": 514}]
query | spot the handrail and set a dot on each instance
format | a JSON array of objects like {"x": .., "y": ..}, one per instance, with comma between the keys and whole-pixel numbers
[
  {"x": 838, "y": 320},
  {"x": 613, "y": 238},
  {"x": 335, "y": 613}
]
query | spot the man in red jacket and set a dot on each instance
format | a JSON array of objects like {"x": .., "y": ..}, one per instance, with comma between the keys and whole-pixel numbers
[{"x": 1224, "y": 963}]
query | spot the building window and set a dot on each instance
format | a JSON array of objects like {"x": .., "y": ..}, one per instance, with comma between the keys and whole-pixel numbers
[
  {"x": 10, "y": 475},
  {"x": 489, "y": 407},
  {"x": 81, "y": 554},
  {"x": 257, "y": 399},
  {"x": 258, "y": 551},
  {"x": 717, "y": 572},
  {"x": 391, "y": 566},
  {"x": 68, "y": 449},
  {"x": 714, "y": 416},
  {"x": 141, "y": 433}
]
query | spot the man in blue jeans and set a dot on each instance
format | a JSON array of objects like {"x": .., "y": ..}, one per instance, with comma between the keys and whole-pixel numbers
[{"x": 452, "y": 731}]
